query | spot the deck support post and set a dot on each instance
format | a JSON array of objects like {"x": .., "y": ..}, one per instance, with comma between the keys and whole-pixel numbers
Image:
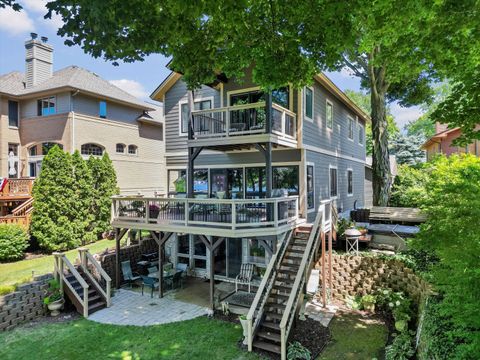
[
  {"x": 119, "y": 233},
  {"x": 212, "y": 245},
  {"x": 160, "y": 239},
  {"x": 324, "y": 277},
  {"x": 330, "y": 270}
]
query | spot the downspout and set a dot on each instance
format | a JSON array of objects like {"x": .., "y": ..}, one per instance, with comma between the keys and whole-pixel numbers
[{"x": 73, "y": 119}]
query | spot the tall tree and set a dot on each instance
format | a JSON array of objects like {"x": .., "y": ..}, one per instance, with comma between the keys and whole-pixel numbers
[
  {"x": 363, "y": 100},
  {"x": 288, "y": 42},
  {"x": 104, "y": 186},
  {"x": 407, "y": 149},
  {"x": 53, "y": 203},
  {"x": 83, "y": 194}
]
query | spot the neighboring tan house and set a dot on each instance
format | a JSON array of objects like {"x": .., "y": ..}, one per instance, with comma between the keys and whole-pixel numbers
[
  {"x": 77, "y": 110},
  {"x": 441, "y": 143}
]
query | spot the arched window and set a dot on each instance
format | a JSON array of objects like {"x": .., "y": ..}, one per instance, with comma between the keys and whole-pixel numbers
[
  {"x": 120, "y": 148},
  {"x": 46, "y": 146},
  {"x": 132, "y": 149},
  {"x": 92, "y": 149}
]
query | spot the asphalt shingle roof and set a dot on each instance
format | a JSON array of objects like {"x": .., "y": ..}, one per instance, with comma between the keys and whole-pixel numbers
[{"x": 73, "y": 77}]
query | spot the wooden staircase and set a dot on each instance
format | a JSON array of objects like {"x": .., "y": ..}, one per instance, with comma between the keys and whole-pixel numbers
[
  {"x": 95, "y": 300},
  {"x": 89, "y": 292},
  {"x": 268, "y": 337}
]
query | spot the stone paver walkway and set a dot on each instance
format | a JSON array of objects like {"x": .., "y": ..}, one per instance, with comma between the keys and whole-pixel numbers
[
  {"x": 131, "y": 308},
  {"x": 314, "y": 310}
]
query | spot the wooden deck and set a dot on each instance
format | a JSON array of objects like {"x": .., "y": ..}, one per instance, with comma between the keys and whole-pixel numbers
[{"x": 396, "y": 215}]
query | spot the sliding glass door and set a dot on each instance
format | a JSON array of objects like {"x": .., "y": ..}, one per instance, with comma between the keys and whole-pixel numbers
[{"x": 228, "y": 258}]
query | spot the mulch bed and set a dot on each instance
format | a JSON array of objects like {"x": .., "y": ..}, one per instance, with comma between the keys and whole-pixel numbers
[
  {"x": 65, "y": 316},
  {"x": 231, "y": 318},
  {"x": 311, "y": 334}
]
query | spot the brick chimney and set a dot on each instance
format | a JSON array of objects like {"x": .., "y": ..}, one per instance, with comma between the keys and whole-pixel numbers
[
  {"x": 38, "y": 60},
  {"x": 440, "y": 127}
]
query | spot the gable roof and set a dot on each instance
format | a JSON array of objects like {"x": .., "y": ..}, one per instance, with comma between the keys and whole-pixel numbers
[
  {"x": 70, "y": 78},
  {"x": 173, "y": 77}
]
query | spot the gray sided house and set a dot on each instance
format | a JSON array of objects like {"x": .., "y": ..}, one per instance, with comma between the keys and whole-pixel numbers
[{"x": 251, "y": 177}]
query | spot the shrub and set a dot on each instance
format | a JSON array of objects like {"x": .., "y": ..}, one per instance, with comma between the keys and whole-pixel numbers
[
  {"x": 298, "y": 351},
  {"x": 452, "y": 206},
  {"x": 402, "y": 347},
  {"x": 408, "y": 188},
  {"x": 13, "y": 242}
]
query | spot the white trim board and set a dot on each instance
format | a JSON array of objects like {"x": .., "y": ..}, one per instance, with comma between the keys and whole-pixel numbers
[{"x": 332, "y": 153}]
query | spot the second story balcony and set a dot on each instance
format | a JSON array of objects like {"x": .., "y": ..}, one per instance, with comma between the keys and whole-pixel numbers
[
  {"x": 217, "y": 217},
  {"x": 244, "y": 124},
  {"x": 17, "y": 189}
]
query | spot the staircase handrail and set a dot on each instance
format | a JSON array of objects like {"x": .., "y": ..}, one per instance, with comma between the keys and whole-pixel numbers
[
  {"x": 61, "y": 260},
  {"x": 22, "y": 208},
  {"x": 265, "y": 288},
  {"x": 302, "y": 274},
  {"x": 85, "y": 258}
]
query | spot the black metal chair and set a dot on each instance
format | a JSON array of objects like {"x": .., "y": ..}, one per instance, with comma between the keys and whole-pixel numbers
[{"x": 149, "y": 282}]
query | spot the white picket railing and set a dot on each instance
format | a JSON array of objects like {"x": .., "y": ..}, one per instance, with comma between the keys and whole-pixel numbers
[{"x": 103, "y": 282}]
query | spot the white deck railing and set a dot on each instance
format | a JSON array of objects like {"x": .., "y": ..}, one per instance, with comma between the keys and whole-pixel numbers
[
  {"x": 241, "y": 120},
  {"x": 223, "y": 213}
]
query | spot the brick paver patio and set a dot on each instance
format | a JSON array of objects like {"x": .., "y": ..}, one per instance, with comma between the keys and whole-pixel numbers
[{"x": 131, "y": 308}]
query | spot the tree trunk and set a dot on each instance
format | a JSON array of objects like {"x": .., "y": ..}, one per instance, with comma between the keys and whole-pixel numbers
[{"x": 382, "y": 179}]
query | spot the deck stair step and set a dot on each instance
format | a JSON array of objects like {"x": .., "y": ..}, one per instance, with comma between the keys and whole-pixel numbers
[
  {"x": 96, "y": 306},
  {"x": 269, "y": 336},
  {"x": 271, "y": 325},
  {"x": 276, "y": 306},
  {"x": 274, "y": 315},
  {"x": 279, "y": 297},
  {"x": 295, "y": 251},
  {"x": 267, "y": 346}
]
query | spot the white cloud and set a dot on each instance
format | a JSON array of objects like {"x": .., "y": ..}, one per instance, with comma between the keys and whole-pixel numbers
[
  {"x": 132, "y": 87},
  {"x": 15, "y": 22},
  {"x": 35, "y": 5},
  {"x": 54, "y": 23},
  {"x": 403, "y": 114}
]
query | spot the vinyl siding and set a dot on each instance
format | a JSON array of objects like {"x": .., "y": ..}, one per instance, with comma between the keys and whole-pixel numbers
[
  {"x": 322, "y": 186},
  {"x": 317, "y": 134},
  {"x": 89, "y": 105},
  {"x": 179, "y": 93}
]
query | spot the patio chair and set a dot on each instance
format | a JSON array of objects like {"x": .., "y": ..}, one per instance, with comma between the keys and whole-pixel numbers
[
  {"x": 177, "y": 280},
  {"x": 152, "y": 270},
  {"x": 183, "y": 268},
  {"x": 149, "y": 282},
  {"x": 128, "y": 275},
  {"x": 245, "y": 276}
]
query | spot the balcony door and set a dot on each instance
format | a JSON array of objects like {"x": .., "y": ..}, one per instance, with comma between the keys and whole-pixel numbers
[
  {"x": 228, "y": 258},
  {"x": 227, "y": 183}
]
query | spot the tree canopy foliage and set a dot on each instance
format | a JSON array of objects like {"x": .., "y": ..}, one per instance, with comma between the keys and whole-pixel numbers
[
  {"x": 407, "y": 149},
  {"x": 288, "y": 42}
]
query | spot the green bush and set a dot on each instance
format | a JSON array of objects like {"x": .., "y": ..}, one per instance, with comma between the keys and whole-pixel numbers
[
  {"x": 408, "y": 188},
  {"x": 13, "y": 242},
  {"x": 298, "y": 351},
  {"x": 452, "y": 206},
  {"x": 402, "y": 347}
]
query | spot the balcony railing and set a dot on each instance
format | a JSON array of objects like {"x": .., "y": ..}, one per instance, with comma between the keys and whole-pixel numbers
[
  {"x": 221, "y": 213},
  {"x": 17, "y": 187},
  {"x": 240, "y": 120}
]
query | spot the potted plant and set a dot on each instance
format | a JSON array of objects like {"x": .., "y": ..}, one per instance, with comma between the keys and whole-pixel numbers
[
  {"x": 54, "y": 298},
  {"x": 154, "y": 210},
  {"x": 244, "y": 322},
  {"x": 363, "y": 230},
  {"x": 368, "y": 302}
]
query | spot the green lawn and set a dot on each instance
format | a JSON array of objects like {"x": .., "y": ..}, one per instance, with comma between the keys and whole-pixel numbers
[
  {"x": 11, "y": 273},
  {"x": 355, "y": 337},
  {"x": 201, "y": 338}
]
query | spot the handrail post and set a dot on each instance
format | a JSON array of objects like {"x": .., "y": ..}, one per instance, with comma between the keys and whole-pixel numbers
[
  {"x": 227, "y": 122},
  {"x": 234, "y": 216},
  {"x": 147, "y": 211},
  {"x": 85, "y": 302},
  {"x": 83, "y": 257},
  {"x": 187, "y": 212},
  {"x": 275, "y": 213},
  {"x": 109, "y": 293},
  {"x": 283, "y": 344},
  {"x": 249, "y": 335}
]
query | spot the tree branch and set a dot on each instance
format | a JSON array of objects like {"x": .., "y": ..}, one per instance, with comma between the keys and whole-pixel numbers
[{"x": 354, "y": 68}]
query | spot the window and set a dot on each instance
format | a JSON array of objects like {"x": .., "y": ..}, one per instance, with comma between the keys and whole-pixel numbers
[
  {"x": 281, "y": 97},
  {"x": 183, "y": 242},
  {"x": 361, "y": 134},
  {"x": 329, "y": 115},
  {"x": 227, "y": 181},
  {"x": 91, "y": 149},
  {"x": 309, "y": 103},
  {"x": 46, "y": 106},
  {"x": 350, "y": 128},
  {"x": 198, "y": 105},
  {"x": 333, "y": 182},
  {"x": 286, "y": 178},
  {"x": 120, "y": 148},
  {"x": 32, "y": 151},
  {"x": 102, "y": 111},
  {"x": 310, "y": 187},
  {"x": 350, "y": 182},
  {"x": 256, "y": 183},
  {"x": 200, "y": 182},
  {"x": 12, "y": 113},
  {"x": 46, "y": 146},
  {"x": 132, "y": 149}
]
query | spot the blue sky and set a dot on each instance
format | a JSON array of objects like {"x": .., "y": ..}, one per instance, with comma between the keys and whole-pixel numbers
[{"x": 140, "y": 78}]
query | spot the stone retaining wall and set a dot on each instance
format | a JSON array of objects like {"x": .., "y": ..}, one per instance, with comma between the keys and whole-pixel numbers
[
  {"x": 132, "y": 253},
  {"x": 360, "y": 275},
  {"x": 25, "y": 304}
]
